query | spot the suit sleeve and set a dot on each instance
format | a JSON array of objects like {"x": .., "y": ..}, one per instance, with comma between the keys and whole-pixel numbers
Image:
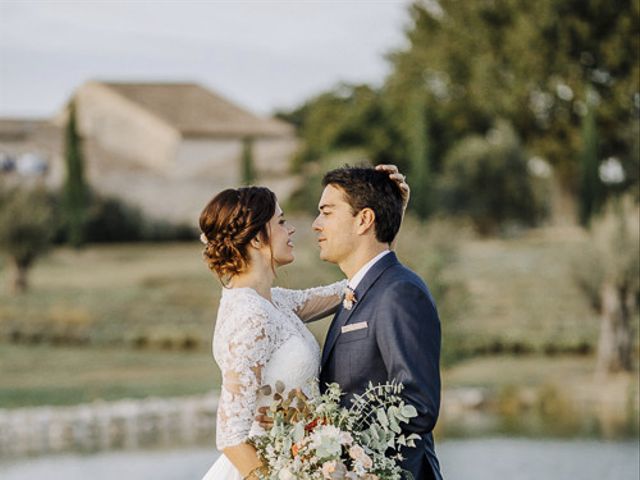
[{"x": 408, "y": 336}]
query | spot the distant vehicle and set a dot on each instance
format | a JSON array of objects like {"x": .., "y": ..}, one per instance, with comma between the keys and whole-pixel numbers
[
  {"x": 7, "y": 162},
  {"x": 30, "y": 164}
]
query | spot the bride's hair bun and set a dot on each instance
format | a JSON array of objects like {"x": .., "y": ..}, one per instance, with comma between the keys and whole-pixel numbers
[{"x": 229, "y": 222}]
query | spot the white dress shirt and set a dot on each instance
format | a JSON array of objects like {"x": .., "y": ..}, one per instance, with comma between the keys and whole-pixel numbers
[{"x": 357, "y": 278}]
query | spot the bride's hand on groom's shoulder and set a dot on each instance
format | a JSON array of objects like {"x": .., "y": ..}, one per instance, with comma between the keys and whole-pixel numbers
[{"x": 399, "y": 179}]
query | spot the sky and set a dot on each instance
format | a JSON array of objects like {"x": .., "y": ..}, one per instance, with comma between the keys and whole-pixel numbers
[{"x": 264, "y": 55}]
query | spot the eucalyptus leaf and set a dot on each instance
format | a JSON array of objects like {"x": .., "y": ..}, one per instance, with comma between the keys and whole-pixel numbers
[
  {"x": 409, "y": 411},
  {"x": 298, "y": 432},
  {"x": 382, "y": 417},
  {"x": 265, "y": 390}
]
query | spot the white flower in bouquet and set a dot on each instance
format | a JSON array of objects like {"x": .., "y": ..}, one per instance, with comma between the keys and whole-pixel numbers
[
  {"x": 285, "y": 474},
  {"x": 334, "y": 470},
  {"x": 328, "y": 440}
]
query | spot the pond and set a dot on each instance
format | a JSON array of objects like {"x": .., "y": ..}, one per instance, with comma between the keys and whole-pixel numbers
[{"x": 473, "y": 459}]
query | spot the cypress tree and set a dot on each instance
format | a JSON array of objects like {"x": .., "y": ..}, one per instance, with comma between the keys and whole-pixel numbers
[
  {"x": 248, "y": 169},
  {"x": 418, "y": 152},
  {"x": 75, "y": 195},
  {"x": 591, "y": 187}
]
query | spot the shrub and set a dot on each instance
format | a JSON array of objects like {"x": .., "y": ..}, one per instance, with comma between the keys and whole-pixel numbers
[
  {"x": 112, "y": 220},
  {"x": 26, "y": 229},
  {"x": 487, "y": 179}
]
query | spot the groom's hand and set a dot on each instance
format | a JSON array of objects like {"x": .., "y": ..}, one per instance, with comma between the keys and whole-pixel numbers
[{"x": 399, "y": 179}]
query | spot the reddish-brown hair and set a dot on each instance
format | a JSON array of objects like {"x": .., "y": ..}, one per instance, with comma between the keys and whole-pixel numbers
[{"x": 230, "y": 221}]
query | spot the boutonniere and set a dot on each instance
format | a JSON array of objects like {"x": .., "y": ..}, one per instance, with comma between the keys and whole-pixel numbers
[{"x": 349, "y": 298}]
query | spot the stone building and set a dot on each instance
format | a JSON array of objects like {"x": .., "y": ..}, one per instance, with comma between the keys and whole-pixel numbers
[{"x": 165, "y": 147}]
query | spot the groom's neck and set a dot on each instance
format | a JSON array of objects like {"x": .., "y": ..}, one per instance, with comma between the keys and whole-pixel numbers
[{"x": 360, "y": 257}]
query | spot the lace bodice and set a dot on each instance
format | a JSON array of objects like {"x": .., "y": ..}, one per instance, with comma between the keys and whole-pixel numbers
[{"x": 256, "y": 343}]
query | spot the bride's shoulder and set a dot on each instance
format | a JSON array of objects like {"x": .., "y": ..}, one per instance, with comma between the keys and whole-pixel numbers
[{"x": 242, "y": 307}]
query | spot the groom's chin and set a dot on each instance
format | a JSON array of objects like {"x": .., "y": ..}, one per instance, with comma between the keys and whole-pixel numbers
[{"x": 324, "y": 256}]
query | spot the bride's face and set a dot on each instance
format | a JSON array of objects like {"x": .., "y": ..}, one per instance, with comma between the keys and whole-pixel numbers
[{"x": 280, "y": 233}]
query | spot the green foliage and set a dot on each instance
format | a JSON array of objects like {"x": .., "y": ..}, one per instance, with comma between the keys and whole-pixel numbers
[
  {"x": 347, "y": 117},
  {"x": 468, "y": 64},
  {"x": 533, "y": 64},
  {"x": 612, "y": 254},
  {"x": 305, "y": 199},
  {"x": 592, "y": 189},
  {"x": 112, "y": 220},
  {"x": 617, "y": 236},
  {"x": 487, "y": 179},
  {"x": 248, "y": 167},
  {"x": 26, "y": 228},
  {"x": 420, "y": 170},
  {"x": 75, "y": 192}
]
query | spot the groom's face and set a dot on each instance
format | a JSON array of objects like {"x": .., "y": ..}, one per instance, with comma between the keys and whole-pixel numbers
[{"x": 335, "y": 226}]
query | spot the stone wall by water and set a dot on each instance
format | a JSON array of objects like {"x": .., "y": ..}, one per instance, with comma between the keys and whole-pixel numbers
[{"x": 126, "y": 424}]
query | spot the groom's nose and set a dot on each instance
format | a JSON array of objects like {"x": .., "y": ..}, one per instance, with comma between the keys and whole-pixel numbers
[{"x": 315, "y": 225}]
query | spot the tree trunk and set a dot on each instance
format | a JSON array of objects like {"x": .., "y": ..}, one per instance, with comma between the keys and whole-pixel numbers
[
  {"x": 19, "y": 283},
  {"x": 614, "y": 346}
]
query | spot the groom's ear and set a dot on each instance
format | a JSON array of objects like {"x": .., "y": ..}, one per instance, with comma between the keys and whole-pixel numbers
[{"x": 366, "y": 220}]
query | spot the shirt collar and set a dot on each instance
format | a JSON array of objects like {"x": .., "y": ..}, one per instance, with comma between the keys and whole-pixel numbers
[{"x": 357, "y": 278}]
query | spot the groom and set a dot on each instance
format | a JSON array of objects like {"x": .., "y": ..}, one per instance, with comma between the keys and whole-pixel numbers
[{"x": 388, "y": 327}]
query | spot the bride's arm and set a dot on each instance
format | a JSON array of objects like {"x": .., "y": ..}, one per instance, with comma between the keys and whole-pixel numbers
[
  {"x": 242, "y": 349},
  {"x": 313, "y": 303}
]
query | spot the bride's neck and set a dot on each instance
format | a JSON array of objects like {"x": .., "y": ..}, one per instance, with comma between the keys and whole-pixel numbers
[{"x": 257, "y": 276}]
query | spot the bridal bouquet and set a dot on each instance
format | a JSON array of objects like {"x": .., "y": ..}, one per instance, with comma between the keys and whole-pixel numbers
[{"x": 316, "y": 438}]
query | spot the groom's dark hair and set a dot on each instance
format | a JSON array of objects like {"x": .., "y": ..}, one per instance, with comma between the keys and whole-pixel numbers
[{"x": 366, "y": 187}]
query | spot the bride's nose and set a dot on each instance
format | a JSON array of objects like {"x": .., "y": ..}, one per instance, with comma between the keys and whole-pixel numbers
[{"x": 292, "y": 230}]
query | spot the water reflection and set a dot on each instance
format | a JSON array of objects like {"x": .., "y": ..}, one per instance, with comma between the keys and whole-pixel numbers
[{"x": 476, "y": 459}]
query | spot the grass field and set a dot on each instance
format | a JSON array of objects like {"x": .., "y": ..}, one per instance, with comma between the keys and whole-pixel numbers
[{"x": 135, "y": 320}]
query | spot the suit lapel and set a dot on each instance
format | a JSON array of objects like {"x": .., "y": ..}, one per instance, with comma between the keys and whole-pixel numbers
[{"x": 343, "y": 316}]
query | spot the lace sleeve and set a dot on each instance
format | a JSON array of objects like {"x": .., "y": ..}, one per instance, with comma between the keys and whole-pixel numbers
[
  {"x": 241, "y": 348},
  {"x": 313, "y": 303}
]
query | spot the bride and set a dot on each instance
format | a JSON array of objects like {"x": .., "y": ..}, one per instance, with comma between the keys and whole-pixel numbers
[{"x": 260, "y": 338}]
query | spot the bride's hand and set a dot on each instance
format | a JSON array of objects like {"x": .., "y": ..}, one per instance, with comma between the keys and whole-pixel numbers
[
  {"x": 399, "y": 179},
  {"x": 263, "y": 418}
]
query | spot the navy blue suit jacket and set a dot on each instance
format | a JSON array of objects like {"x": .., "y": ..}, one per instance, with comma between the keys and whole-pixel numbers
[{"x": 401, "y": 342}]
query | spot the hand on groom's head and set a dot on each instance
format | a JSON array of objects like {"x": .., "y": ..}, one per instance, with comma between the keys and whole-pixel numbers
[{"x": 399, "y": 179}]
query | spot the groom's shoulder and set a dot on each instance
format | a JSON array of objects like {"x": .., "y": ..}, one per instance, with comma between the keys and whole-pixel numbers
[
  {"x": 403, "y": 284},
  {"x": 400, "y": 276}
]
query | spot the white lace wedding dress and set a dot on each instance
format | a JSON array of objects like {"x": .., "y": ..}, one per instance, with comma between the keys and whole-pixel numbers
[{"x": 257, "y": 342}]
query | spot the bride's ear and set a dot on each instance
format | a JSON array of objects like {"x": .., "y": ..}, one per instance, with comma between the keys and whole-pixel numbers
[{"x": 255, "y": 242}]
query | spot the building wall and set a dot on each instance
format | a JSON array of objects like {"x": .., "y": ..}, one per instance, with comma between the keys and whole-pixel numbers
[
  {"x": 132, "y": 155},
  {"x": 272, "y": 156},
  {"x": 43, "y": 139},
  {"x": 125, "y": 129},
  {"x": 215, "y": 159}
]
